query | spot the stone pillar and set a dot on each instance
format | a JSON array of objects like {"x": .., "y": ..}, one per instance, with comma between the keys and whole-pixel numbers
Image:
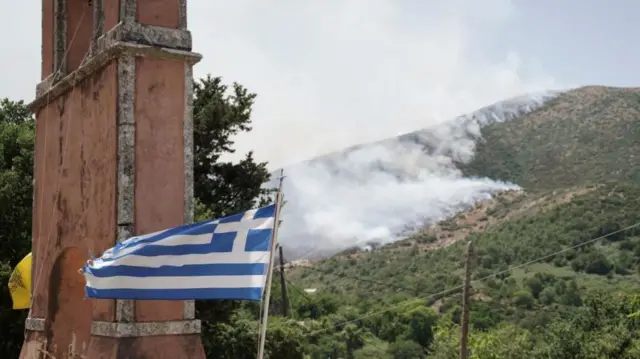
[{"x": 114, "y": 158}]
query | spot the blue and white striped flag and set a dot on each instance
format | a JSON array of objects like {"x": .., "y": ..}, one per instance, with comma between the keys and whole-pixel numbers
[{"x": 227, "y": 258}]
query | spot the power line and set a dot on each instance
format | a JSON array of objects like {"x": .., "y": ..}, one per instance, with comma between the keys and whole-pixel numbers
[
  {"x": 411, "y": 301},
  {"x": 367, "y": 280},
  {"x": 301, "y": 292},
  {"x": 361, "y": 279}
]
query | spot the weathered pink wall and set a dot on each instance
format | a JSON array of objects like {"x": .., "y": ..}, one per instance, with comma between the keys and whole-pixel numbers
[
  {"x": 83, "y": 215},
  {"x": 47, "y": 38},
  {"x": 79, "y": 32},
  {"x": 69, "y": 318},
  {"x": 111, "y": 14},
  {"x": 76, "y": 212},
  {"x": 159, "y": 111},
  {"x": 159, "y": 12}
]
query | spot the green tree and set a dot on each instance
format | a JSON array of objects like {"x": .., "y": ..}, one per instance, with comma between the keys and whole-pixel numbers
[
  {"x": 12, "y": 321},
  {"x": 220, "y": 113},
  {"x": 233, "y": 337},
  {"x": 223, "y": 188},
  {"x": 406, "y": 349},
  {"x": 547, "y": 296},
  {"x": 523, "y": 299},
  {"x": 377, "y": 350},
  {"x": 16, "y": 176},
  {"x": 535, "y": 286},
  {"x": 353, "y": 337},
  {"x": 17, "y": 139},
  {"x": 284, "y": 339},
  {"x": 597, "y": 263},
  {"x": 602, "y": 328},
  {"x": 505, "y": 342},
  {"x": 237, "y": 337},
  {"x": 421, "y": 322}
]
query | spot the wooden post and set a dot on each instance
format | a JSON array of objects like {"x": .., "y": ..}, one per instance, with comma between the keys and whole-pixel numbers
[
  {"x": 283, "y": 286},
  {"x": 267, "y": 294},
  {"x": 466, "y": 294}
]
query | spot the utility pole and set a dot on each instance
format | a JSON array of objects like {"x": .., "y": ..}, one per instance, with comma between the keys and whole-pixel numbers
[
  {"x": 267, "y": 295},
  {"x": 283, "y": 286},
  {"x": 466, "y": 294}
]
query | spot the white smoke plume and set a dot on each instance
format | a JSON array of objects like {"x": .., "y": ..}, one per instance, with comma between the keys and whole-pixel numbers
[{"x": 372, "y": 192}]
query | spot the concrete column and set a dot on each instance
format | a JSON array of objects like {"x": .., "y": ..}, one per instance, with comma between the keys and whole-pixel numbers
[
  {"x": 60, "y": 38},
  {"x": 189, "y": 201},
  {"x": 126, "y": 165}
]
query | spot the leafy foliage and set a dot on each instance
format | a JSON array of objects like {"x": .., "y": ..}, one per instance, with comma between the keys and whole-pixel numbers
[
  {"x": 511, "y": 310},
  {"x": 224, "y": 187},
  {"x": 16, "y": 176}
]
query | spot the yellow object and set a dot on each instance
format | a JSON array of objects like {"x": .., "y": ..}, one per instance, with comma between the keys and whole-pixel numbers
[{"x": 20, "y": 284}]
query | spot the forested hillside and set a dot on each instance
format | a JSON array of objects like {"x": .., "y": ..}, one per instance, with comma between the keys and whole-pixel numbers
[
  {"x": 556, "y": 265},
  {"x": 591, "y": 134},
  {"x": 518, "y": 279}
]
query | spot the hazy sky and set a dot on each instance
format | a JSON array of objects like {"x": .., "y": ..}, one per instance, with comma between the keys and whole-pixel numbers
[{"x": 331, "y": 73}]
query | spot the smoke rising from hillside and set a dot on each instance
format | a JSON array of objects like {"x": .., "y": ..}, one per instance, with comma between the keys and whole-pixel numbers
[{"x": 372, "y": 192}]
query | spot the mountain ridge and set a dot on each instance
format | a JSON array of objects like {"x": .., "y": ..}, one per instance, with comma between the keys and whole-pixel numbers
[
  {"x": 407, "y": 163},
  {"x": 588, "y": 134},
  {"x": 556, "y": 264}
]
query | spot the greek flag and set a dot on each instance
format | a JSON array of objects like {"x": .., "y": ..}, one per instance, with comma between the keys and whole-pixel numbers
[{"x": 227, "y": 258}]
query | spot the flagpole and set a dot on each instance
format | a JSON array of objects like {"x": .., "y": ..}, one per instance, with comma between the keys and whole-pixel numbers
[{"x": 267, "y": 294}]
